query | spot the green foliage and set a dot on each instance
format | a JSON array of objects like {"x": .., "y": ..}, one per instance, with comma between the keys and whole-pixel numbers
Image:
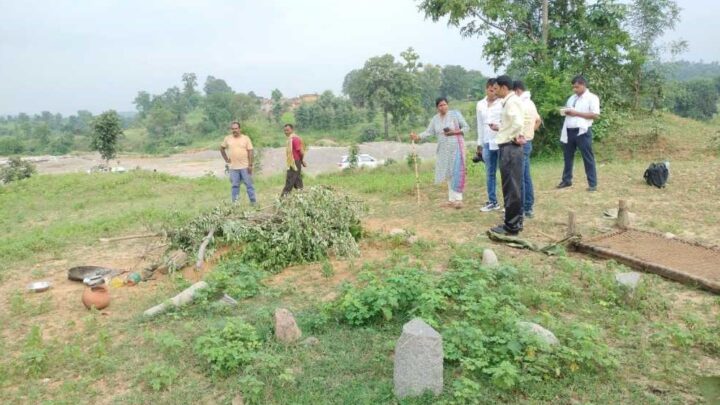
[
  {"x": 353, "y": 156},
  {"x": 458, "y": 82},
  {"x": 228, "y": 348},
  {"x": 387, "y": 85},
  {"x": 327, "y": 269},
  {"x": 477, "y": 311},
  {"x": 696, "y": 99},
  {"x": 17, "y": 169},
  {"x": 412, "y": 159},
  {"x": 235, "y": 278},
  {"x": 34, "y": 358},
  {"x": 381, "y": 296},
  {"x": 328, "y": 112},
  {"x": 107, "y": 130},
  {"x": 159, "y": 376},
  {"x": 304, "y": 227}
]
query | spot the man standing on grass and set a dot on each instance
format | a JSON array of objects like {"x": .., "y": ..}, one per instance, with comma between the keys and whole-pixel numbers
[
  {"x": 581, "y": 110},
  {"x": 237, "y": 151},
  {"x": 510, "y": 140},
  {"x": 531, "y": 124},
  {"x": 488, "y": 120},
  {"x": 295, "y": 160}
]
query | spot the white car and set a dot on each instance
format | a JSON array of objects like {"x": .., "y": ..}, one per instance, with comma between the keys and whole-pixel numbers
[{"x": 364, "y": 160}]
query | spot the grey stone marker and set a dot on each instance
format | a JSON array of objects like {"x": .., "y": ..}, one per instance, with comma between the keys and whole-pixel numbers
[
  {"x": 418, "y": 360},
  {"x": 544, "y": 334},
  {"x": 489, "y": 258},
  {"x": 628, "y": 280}
]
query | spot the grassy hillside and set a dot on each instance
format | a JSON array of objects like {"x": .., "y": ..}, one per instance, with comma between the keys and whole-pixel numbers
[{"x": 647, "y": 350}]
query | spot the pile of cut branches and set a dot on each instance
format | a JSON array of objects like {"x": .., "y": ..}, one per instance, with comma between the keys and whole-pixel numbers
[{"x": 304, "y": 227}]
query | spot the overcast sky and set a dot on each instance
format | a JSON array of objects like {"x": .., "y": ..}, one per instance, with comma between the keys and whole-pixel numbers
[{"x": 67, "y": 55}]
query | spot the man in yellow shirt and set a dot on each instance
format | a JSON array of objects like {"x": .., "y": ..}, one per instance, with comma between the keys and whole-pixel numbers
[
  {"x": 237, "y": 151},
  {"x": 510, "y": 140},
  {"x": 531, "y": 124}
]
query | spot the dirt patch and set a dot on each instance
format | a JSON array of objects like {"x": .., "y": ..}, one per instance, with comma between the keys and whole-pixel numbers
[
  {"x": 320, "y": 159},
  {"x": 309, "y": 278},
  {"x": 65, "y": 306}
]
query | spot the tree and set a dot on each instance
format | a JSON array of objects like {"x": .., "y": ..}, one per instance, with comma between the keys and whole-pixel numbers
[
  {"x": 190, "y": 93},
  {"x": 455, "y": 82},
  {"x": 222, "y": 108},
  {"x": 143, "y": 103},
  {"x": 411, "y": 60},
  {"x": 385, "y": 84},
  {"x": 430, "y": 80},
  {"x": 696, "y": 99},
  {"x": 277, "y": 108},
  {"x": 649, "y": 20},
  {"x": 216, "y": 86},
  {"x": 588, "y": 37},
  {"x": 107, "y": 130}
]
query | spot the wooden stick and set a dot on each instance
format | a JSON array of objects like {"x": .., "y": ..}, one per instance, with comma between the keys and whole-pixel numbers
[
  {"x": 571, "y": 224},
  {"x": 417, "y": 175},
  {"x": 203, "y": 246},
  {"x": 623, "y": 219},
  {"x": 146, "y": 235}
]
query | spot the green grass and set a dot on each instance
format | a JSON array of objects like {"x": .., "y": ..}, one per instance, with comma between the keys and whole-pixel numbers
[{"x": 662, "y": 339}]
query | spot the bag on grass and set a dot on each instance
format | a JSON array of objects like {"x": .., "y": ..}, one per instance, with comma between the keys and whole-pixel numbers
[{"x": 657, "y": 175}]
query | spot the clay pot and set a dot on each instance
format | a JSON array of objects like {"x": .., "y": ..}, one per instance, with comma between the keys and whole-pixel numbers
[{"x": 97, "y": 296}]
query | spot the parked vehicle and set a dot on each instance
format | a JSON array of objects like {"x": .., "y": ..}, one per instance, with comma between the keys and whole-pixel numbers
[{"x": 364, "y": 160}]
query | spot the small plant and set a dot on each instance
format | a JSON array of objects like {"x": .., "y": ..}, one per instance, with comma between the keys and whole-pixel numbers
[
  {"x": 34, "y": 357},
  {"x": 17, "y": 169},
  {"x": 412, "y": 159},
  {"x": 353, "y": 156},
  {"x": 228, "y": 348},
  {"x": 159, "y": 376},
  {"x": 327, "y": 269}
]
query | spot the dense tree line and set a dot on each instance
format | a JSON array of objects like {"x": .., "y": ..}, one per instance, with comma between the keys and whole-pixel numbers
[{"x": 44, "y": 133}]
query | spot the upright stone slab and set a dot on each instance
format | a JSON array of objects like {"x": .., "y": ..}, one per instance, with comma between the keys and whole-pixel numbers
[
  {"x": 286, "y": 329},
  {"x": 418, "y": 360}
]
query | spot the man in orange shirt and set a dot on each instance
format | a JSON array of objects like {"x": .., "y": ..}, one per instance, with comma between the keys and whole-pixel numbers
[{"x": 237, "y": 150}]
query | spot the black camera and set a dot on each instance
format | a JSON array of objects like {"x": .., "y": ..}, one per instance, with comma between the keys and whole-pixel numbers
[{"x": 477, "y": 159}]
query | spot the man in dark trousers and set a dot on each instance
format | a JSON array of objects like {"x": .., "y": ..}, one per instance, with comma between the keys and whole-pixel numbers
[
  {"x": 510, "y": 140},
  {"x": 581, "y": 110},
  {"x": 295, "y": 160}
]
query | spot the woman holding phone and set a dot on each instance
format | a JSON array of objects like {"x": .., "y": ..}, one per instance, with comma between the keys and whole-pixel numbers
[{"x": 450, "y": 127}]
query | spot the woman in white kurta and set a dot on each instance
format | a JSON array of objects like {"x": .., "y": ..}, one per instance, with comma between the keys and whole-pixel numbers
[{"x": 449, "y": 126}]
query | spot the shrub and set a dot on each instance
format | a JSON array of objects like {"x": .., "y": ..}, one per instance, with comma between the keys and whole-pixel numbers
[
  {"x": 159, "y": 376},
  {"x": 17, "y": 169},
  {"x": 411, "y": 160},
  {"x": 228, "y": 348}
]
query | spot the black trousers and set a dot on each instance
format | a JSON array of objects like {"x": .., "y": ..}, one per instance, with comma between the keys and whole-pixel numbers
[
  {"x": 511, "y": 172},
  {"x": 293, "y": 179},
  {"x": 584, "y": 143}
]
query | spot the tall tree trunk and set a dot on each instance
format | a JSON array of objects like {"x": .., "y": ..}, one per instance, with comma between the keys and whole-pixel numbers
[
  {"x": 385, "y": 119},
  {"x": 545, "y": 26}
]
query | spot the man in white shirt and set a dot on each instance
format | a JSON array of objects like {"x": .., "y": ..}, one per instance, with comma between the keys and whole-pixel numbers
[
  {"x": 581, "y": 110},
  {"x": 488, "y": 122},
  {"x": 531, "y": 123}
]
